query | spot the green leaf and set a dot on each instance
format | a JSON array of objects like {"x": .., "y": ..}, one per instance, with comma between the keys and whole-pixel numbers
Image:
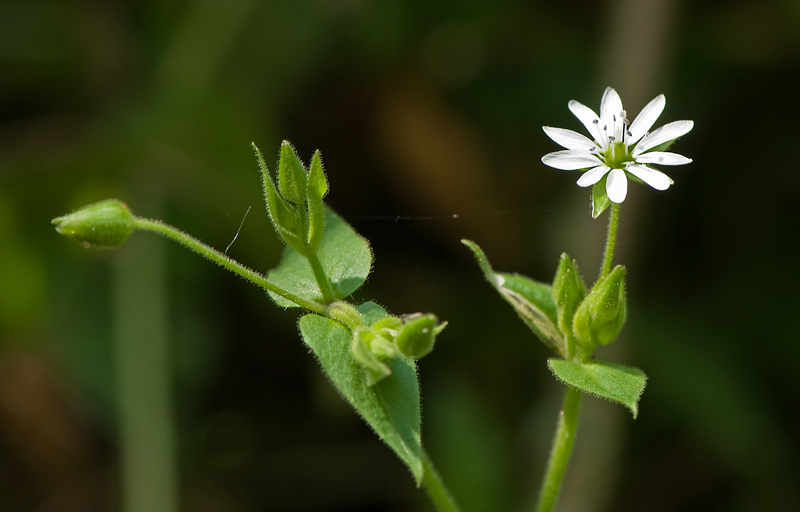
[
  {"x": 600, "y": 200},
  {"x": 316, "y": 189},
  {"x": 615, "y": 382},
  {"x": 392, "y": 406},
  {"x": 284, "y": 217},
  {"x": 291, "y": 175},
  {"x": 532, "y": 300},
  {"x": 345, "y": 256}
]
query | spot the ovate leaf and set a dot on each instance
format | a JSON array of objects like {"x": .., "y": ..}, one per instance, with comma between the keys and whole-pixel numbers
[
  {"x": 533, "y": 301},
  {"x": 615, "y": 382},
  {"x": 392, "y": 406},
  {"x": 345, "y": 256}
]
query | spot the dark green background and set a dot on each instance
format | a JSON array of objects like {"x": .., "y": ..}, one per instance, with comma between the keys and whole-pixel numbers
[{"x": 422, "y": 110}]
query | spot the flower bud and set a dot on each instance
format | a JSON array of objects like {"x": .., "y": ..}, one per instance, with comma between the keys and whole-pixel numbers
[
  {"x": 108, "y": 223},
  {"x": 600, "y": 316},
  {"x": 568, "y": 292},
  {"x": 417, "y": 335}
]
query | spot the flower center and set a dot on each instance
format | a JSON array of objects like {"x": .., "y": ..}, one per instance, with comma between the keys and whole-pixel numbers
[{"x": 616, "y": 155}]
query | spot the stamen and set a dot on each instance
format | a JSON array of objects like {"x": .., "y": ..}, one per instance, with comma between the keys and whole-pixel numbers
[
  {"x": 596, "y": 121},
  {"x": 611, "y": 138}
]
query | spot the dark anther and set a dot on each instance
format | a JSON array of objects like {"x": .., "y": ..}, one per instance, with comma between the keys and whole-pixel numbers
[
  {"x": 611, "y": 138},
  {"x": 596, "y": 121}
]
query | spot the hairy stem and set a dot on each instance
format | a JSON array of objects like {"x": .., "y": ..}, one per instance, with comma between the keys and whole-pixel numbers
[
  {"x": 562, "y": 449},
  {"x": 611, "y": 240},
  {"x": 224, "y": 261},
  {"x": 437, "y": 491}
]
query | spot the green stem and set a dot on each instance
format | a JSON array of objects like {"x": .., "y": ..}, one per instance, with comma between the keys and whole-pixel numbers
[
  {"x": 319, "y": 274},
  {"x": 562, "y": 449},
  {"x": 224, "y": 261},
  {"x": 437, "y": 491},
  {"x": 611, "y": 240}
]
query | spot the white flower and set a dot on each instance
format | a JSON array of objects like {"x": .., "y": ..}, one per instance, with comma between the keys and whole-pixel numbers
[{"x": 619, "y": 147}]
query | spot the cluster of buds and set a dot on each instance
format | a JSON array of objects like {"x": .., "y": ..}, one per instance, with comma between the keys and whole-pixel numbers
[
  {"x": 375, "y": 347},
  {"x": 295, "y": 207},
  {"x": 591, "y": 318}
]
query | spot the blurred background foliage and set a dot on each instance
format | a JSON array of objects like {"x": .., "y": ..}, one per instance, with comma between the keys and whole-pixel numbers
[{"x": 147, "y": 379}]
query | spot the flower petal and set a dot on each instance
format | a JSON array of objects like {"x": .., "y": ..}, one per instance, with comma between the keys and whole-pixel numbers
[
  {"x": 644, "y": 121},
  {"x": 592, "y": 176},
  {"x": 617, "y": 185},
  {"x": 586, "y": 116},
  {"x": 610, "y": 105},
  {"x": 663, "y": 158},
  {"x": 661, "y": 135},
  {"x": 568, "y": 139},
  {"x": 570, "y": 159},
  {"x": 656, "y": 179}
]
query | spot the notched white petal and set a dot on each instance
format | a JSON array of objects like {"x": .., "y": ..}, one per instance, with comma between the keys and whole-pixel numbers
[
  {"x": 610, "y": 105},
  {"x": 570, "y": 160},
  {"x": 663, "y": 158},
  {"x": 568, "y": 138},
  {"x": 661, "y": 135},
  {"x": 592, "y": 176},
  {"x": 586, "y": 116},
  {"x": 656, "y": 179},
  {"x": 644, "y": 121},
  {"x": 617, "y": 185}
]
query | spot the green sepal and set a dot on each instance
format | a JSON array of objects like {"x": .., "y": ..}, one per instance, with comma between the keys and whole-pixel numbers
[
  {"x": 284, "y": 217},
  {"x": 345, "y": 256},
  {"x": 600, "y": 200},
  {"x": 291, "y": 176},
  {"x": 107, "y": 223},
  {"x": 568, "y": 292},
  {"x": 621, "y": 384},
  {"x": 392, "y": 406},
  {"x": 532, "y": 300},
  {"x": 316, "y": 188}
]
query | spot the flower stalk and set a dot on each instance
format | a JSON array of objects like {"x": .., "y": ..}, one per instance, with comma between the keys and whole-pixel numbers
[{"x": 223, "y": 260}]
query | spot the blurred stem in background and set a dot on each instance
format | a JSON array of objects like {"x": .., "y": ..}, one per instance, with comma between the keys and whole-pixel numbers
[{"x": 146, "y": 426}]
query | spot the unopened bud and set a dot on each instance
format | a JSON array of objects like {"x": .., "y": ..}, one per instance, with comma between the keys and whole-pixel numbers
[
  {"x": 568, "y": 292},
  {"x": 600, "y": 316},
  {"x": 417, "y": 335},
  {"x": 108, "y": 223}
]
